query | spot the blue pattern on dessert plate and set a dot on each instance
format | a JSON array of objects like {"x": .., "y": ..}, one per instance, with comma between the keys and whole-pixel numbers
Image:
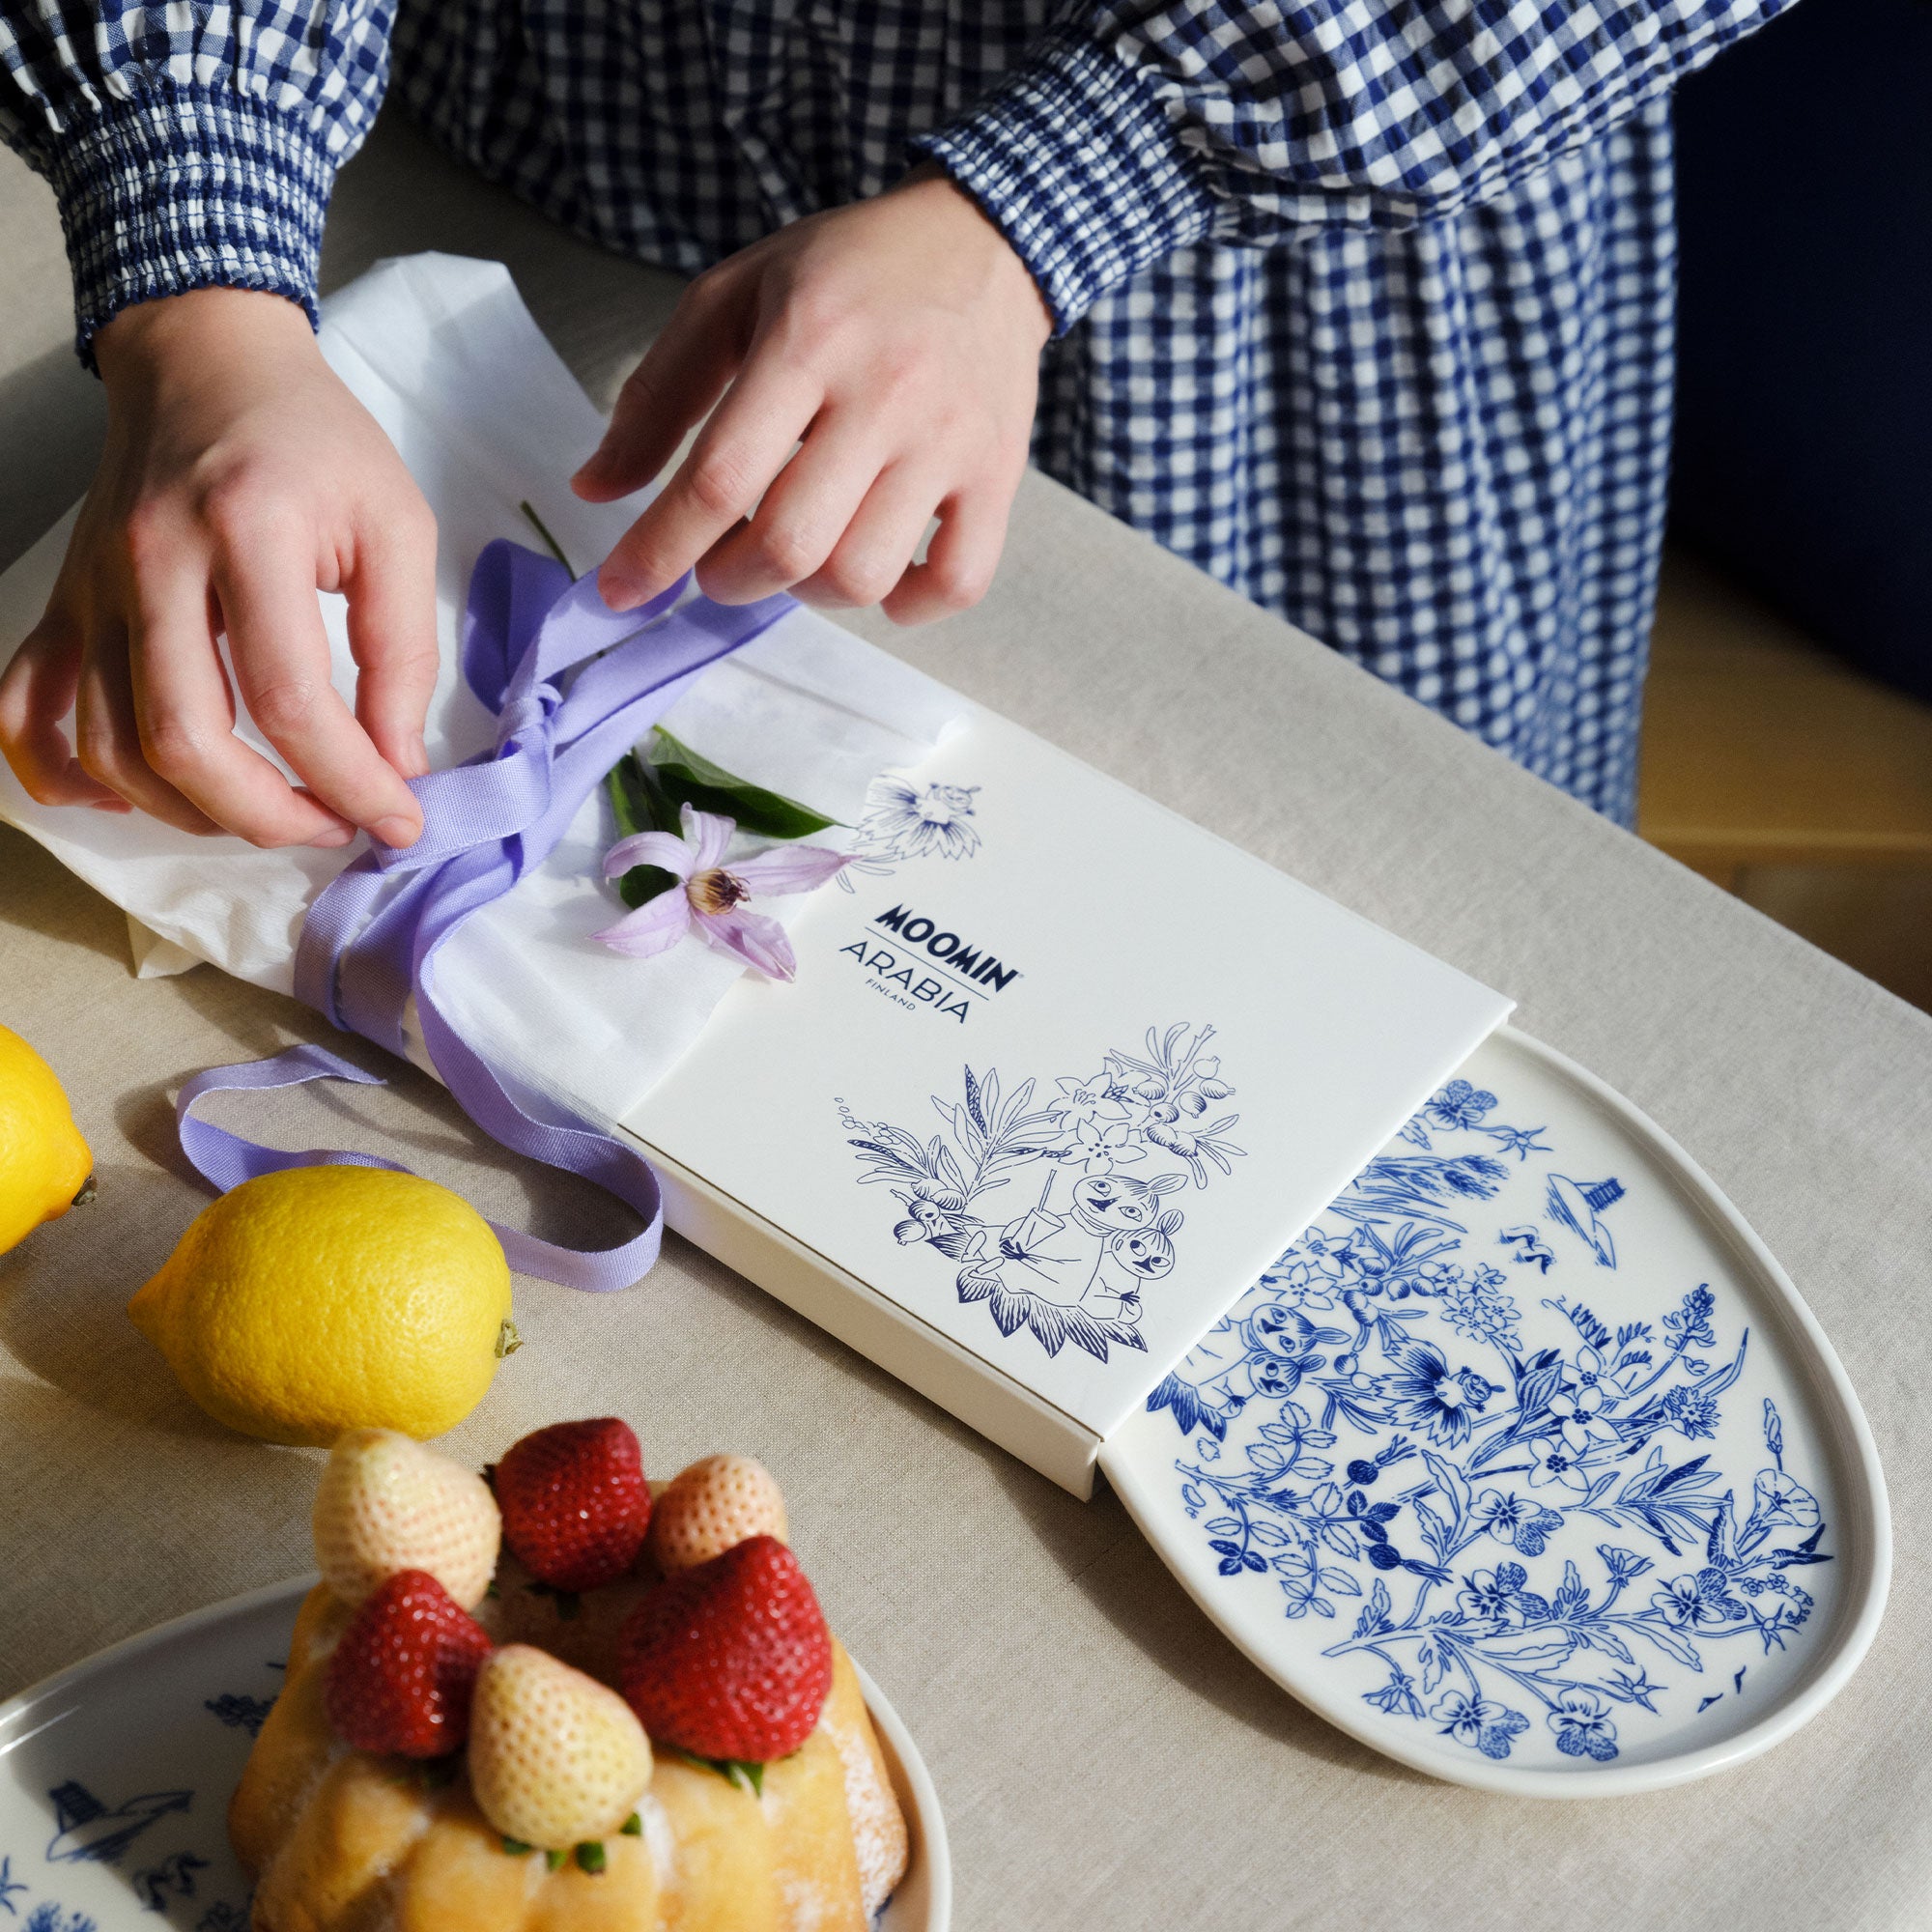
[{"x": 1513, "y": 1539}]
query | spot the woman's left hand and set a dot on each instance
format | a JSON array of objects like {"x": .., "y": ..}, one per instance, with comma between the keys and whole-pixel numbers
[{"x": 897, "y": 341}]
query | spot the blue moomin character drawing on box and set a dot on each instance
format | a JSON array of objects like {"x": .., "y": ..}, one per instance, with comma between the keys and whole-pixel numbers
[{"x": 1076, "y": 1264}]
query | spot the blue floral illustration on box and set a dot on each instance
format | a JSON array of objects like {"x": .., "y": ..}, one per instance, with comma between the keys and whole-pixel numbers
[
  {"x": 1524, "y": 1534},
  {"x": 904, "y": 821},
  {"x": 1075, "y": 1264}
]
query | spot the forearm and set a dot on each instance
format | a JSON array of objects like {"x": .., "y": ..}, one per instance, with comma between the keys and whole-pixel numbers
[{"x": 1137, "y": 128}]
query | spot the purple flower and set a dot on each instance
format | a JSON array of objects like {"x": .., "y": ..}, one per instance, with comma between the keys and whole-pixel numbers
[{"x": 711, "y": 896}]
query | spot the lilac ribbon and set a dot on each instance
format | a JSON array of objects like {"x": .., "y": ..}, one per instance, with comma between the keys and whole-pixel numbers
[{"x": 372, "y": 937}]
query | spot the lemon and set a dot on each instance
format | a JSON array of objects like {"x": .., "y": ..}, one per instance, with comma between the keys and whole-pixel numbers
[
  {"x": 321, "y": 1299},
  {"x": 43, "y": 1162}
]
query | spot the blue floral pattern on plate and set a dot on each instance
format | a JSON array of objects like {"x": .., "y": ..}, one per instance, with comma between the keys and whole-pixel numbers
[{"x": 1511, "y": 1537}]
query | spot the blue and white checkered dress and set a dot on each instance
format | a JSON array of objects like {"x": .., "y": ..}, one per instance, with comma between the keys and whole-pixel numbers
[{"x": 1364, "y": 305}]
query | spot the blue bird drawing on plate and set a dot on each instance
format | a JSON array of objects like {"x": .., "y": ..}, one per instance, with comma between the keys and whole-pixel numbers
[
  {"x": 1529, "y": 1248},
  {"x": 90, "y": 1830},
  {"x": 172, "y": 1878},
  {"x": 243, "y": 1712}
]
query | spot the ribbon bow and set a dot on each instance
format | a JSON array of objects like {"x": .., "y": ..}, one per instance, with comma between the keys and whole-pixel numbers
[{"x": 371, "y": 939}]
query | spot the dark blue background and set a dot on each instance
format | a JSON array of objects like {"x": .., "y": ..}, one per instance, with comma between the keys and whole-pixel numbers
[{"x": 1803, "y": 455}]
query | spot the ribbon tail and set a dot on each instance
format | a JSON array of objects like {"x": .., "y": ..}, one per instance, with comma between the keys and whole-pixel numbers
[
  {"x": 225, "y": 1160},
  {"x": 620, "y": 1170}
]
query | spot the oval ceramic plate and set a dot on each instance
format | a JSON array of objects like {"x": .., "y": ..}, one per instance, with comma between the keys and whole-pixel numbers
[
  {"x": 1526, "y": 1465},
  {"x": 115, "y": 1778}
]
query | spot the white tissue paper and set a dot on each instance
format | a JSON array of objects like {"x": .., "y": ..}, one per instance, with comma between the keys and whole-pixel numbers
[{"x": 442, "y": 353}]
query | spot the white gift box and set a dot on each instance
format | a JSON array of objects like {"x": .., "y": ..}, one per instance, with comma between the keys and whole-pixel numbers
[{"x": 1059, "y": 1076}]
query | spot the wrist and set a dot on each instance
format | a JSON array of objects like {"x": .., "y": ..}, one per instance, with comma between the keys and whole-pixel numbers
[
  {"x": 975, "y": 229},
  {"x": 199, "y": 332}
]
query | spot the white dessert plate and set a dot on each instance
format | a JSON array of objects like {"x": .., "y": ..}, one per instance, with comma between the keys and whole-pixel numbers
[
  {"x": 115, "y": 1778},
  {"x": 1526, "y": 1465}
]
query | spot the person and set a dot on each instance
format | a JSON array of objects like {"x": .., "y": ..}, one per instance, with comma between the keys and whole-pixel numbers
[{"x": 1363, "y": 307}]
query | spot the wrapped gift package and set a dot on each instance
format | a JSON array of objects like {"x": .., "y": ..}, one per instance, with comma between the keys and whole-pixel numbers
[{"x": 1449, "y": 1386}]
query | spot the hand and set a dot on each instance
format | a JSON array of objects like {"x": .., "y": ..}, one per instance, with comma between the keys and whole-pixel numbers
[
  {"x": 899, "y": 340},
  {"x": 238, "y": 476}
]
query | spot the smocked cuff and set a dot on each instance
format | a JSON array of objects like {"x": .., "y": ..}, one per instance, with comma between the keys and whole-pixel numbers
[
  {"x": 1075, "y": 159},
  {"x": 188, "y": 187}
]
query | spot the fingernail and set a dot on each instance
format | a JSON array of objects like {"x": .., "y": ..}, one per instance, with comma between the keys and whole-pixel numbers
[
  {"x": 622, "y": 593},
  {"x": 336, "y": 835},
  {"x": 396, "y": 830}
]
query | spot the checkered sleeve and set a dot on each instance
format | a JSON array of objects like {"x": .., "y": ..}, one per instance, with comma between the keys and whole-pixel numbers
[
  {"x": 1137, "y": 128},
  {"x": 189, "y": 146}
]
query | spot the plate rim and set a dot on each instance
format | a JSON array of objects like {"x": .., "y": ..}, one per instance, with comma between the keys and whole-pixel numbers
[
  {"x": 904, "y": 1754},
  {"x": 1867, "y": 1506}
]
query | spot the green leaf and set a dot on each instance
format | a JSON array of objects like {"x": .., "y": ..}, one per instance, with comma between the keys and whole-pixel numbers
[
  {"x": 556, "y": 1861},
  {"x": 638, "y": 803},
  {"x": 590, "y": 1857},
  {"x": 517, "y": 1849},
  {"x": 745, "y": 1773},
  {"x": 688, "y": 777},
  {"x": 649, "y": 795},
  {"x": 633, "y": 1827}
]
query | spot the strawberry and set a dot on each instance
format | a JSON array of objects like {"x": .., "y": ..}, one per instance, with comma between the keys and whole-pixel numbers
[
  {"x": 400, "y": 1676},
  {"x": 730, "y": 1658},
  {"x": 386, "y": 1503},
  {"x": 712, "y": 1505},
  {"x": 575, "y": 1502},
  {"x": 555, "y": 1758}
]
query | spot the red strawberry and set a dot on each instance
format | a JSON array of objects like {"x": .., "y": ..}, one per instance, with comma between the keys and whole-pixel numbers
[
  {"x": 400, "y": 1678},
  {"x": 729, "y": 1659},
  {"x": 575, "y": 1502}
]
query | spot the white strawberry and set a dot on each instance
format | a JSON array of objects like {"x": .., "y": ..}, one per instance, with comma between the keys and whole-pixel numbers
[
  {"x": 555, "y": 1759},
  {"x": 386, "y": 1503},
  {"x": 711, "y": 1506}
]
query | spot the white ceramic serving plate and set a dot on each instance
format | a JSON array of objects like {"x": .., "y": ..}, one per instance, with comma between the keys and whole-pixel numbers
[
  {"x": 1486, "y": 1471},
  {"x": 115, "y": 1778}
]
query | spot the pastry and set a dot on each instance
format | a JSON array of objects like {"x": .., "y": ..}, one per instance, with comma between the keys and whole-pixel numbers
[{"x": 563, "y": 1700}]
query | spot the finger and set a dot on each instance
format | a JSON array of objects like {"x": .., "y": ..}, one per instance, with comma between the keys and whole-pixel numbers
[
  {"x": 392, "y": 634},
  {"x": 37, "y": 691},
  {"x": 108, "y": 735},
  {"x": 800, "y": 519},
  {"x": 184, "y": 712},
  {"x": 280, "y": 653},
  {"x": 879, "y": 543},
  {"x": 682, "y": 374},
  {"x": 736, "y": 455},
  {"x": 959, "y": 561}
]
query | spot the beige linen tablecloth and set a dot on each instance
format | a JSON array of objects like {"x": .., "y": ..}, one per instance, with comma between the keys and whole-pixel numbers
[{"x": 1105, "y": 1758}]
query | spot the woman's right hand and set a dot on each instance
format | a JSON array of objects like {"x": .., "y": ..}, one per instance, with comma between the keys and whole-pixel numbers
[{"x": 238, "y": 478}]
